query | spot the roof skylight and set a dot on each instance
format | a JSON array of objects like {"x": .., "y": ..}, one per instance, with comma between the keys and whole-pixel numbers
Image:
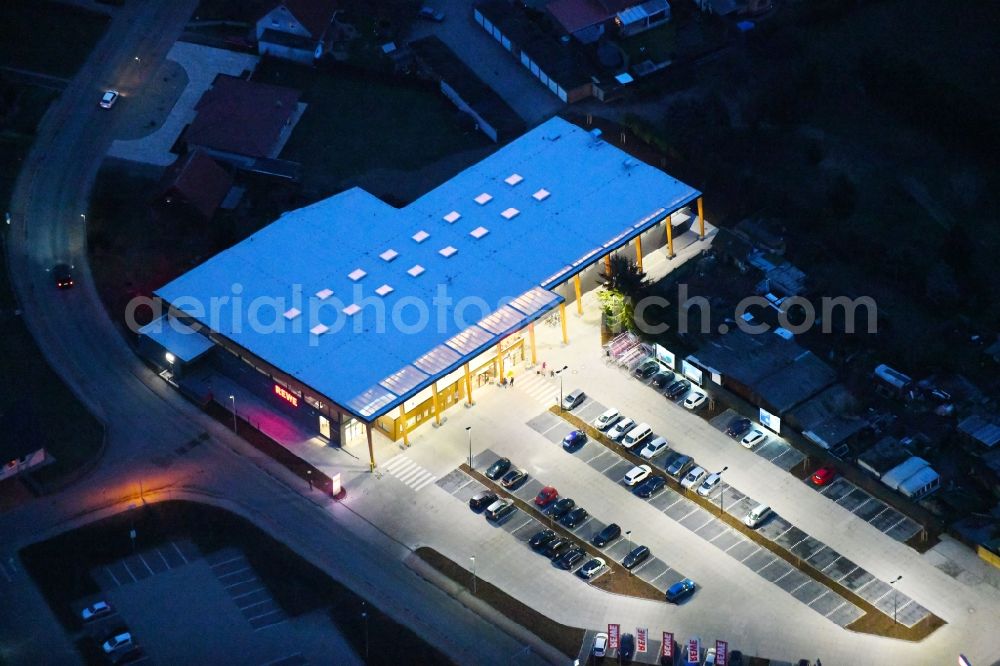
[
  {"x": 541, "y": 195},
  {"x": 384, "y": 290},
  {"x": 513, "y": 179},
  {"x": 448, "y": 251},
  {"x": 421, "y": 236},
  {"x": 510, "y": 213},
  {"x": 292, "y": 313},
  {"x": 357, "y": 274},
  {"x": 389, "y": 255},
  {"x": 416, "y": 270},
  {"x": 452, "y": 217},
  {"x": 324, "y": 294},
  {"x": 479, "y": 232},
  {"x": 352, "y": 309},
  {"x": 484, "y": 199},
  {"x": 319, "y": 329}
]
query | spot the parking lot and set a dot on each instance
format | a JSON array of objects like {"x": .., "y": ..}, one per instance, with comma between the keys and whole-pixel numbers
[
  {"x": 247, "y": 591},
  {"x": 878, "y": 514},
  {"x": 775, "y": 450}
]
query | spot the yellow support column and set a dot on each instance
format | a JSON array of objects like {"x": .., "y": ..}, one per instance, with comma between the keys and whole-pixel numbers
[
  {"x": 607, "y": 265},
  {"x": 670, "y": 238},
  {"x": 579, "y": 299},
  {"x": 701, "y": 220},
  {"x": 531, "y": 337},
  {"x": 499, "y": 362},
  {"x": 638, "y": 252},
  {"x": 437, "y": 404},
  {"x": 468, "y": 387},
  {"x": 402, "y": 417},
  {"x": 371, "y": 452},
  {"x": 562, "y": 319}
]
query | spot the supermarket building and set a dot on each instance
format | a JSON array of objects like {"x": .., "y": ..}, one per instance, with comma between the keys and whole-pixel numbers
[{"x": 357, "y": 315}]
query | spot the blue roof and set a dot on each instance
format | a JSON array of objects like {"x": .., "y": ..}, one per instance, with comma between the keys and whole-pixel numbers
[{"x": 474, "y": 257}]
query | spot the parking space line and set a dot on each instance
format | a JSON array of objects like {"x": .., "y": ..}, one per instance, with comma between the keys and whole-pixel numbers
[
  {"x": 821, "y": 593},
  {"x": 710, "y": 519},
  {"x": 230, "y": 573},
  {"x": 775, "y": 581},
  {"x": 807, "y": 580},
  {"x": 881, "y": 596},
  {"x": 256, "y": 603},
  {"x": 847, "y": 574},
  {"x": 751, "y": 554},
  {"x": 268, "y": 626},
  {"x": 148, "y": 568},
  {"x": 226, "y": 587},
  {"x": 179, "y": 552},
  {"x": 901, "y": 519},
  {"x": 113, "y": 576},
  {"x": 239, "y": 596},
  {"x": 679, "y": 498},
  {"x": 884, "y": 509},
  {"x": 167, "y": 564},
  {"x": 818, "y": 550},
  {"x": 231, "y": 559},
  {"x": 613, "y": 463},
  {"x": 775, "y": 539},
  {"x": 837, "y": 608},
  {"x": 695, "y": 508},
  {"x": 789, "y": 549},
  {"x": 125, "y": 565},
  {"x": 455, "y": 491},
  {"x": 276, "y": 611}
]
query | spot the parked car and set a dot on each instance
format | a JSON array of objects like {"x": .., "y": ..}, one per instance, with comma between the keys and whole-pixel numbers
[
  {"x": 561, "y": 507},
  {"x": 679, "y": 466},
  {"x": 650, "y": 487},
  {"x": 607, "y": 419},
  {"x": 514, "y": 478},
  {"x": 574, "y": 440},
  {"x": 607, "y": 535},
  {"x": 482, "y": 499},
  {"x": 634, "y": 438},
  {"x": 575, "y": 517},
  {"x": 96, "y": 610},
  {"x": 693, "y": 478},
  {"x": 546, "y": 496},
  {"x": 118, "y": 643},
  {"x": 540, "y": 540},
  {"x": 735, "y": 658},
  {"x": 677, "y": 389},
  {"x": 573, "y": 399},
  {"x": 636, "y": 474},
  {"x": 653, "y": 448},
  {"x": 646, "y": 369},
  {"x": 662, "y": 379},
  {"x": 695, "y": 400},
  {"x": 498, "y": 469},
  {"x": 823, "y": 475},
  {"x": 557, "y": 547},
  {"x": 753, "y": 439},
  {"x": 637, "y": 556},
  {"x": 431, "y": 14},
  {"x": 709, "y": 484},
  {"x": 680, "y": 590},
  {"x": 626, "y": 647},
  {"x": 621, "y": 428},
  {"x": 63, "y": 276},
  {"x": 500, "y": 511},
  {"x": 738, "y": 427},
  {"x": 570, "y": 558},
  {"x": 600, "y": 644},
  {"x": 591, "y": 568},
  {"x": 756, "y": 516},
  {"x": 109, "y": 98},
  {"x": 709, "y": 657}
]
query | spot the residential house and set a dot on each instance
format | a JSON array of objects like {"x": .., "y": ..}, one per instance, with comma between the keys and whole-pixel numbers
[
  {"x": 295, "y": 29},
  {"x": 588, "y": 20},
  {"x": 194, "y": 184}
]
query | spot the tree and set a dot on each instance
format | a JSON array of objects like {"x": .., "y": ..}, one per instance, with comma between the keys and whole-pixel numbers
[{"x": 627, "y": 278}]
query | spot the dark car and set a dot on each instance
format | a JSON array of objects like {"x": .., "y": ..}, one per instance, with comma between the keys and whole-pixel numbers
[
  {"x": 557, "y": 547},
  {"x": 430, "y": 14},
  {"x": 482, "y": 499},
  {"x": 541, "y": 540},
  {"x": 680, "y": 590},
  {"x": 677, "y": 389},
  {"x": 650, "y": 487},
  {"x": 501, "y": 514},
  {"x": 575, "y": 517},
  {"x": 591, "y": 568},
  {"x": 646, "y": 369},
  {"x": 63, "y": 276},
  {"x": 735, "y": 658},
  {"x": 559, "y": 509},
  {"x": 546, "y": 496},
  {"x": 738, "y": 427},
  {"x": 498, "y": 469},
  {"x": 570, "y": 558},
  {"x": 661, "y": 379},
  {"x": 574, "y": 440},
  {"x": 573, "y": 399},
  {"x": 607, "y": 535},
  {"x": 636, "y": 557},
  {"x": 679, "y": 465},
  {"x": 626, "y": 647},
  {"x": 513, "y": 478}
]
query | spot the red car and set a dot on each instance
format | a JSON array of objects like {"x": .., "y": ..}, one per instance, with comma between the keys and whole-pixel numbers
[
  {"x": 546, "y": 496},
  {"x": 824, "y": 475}
]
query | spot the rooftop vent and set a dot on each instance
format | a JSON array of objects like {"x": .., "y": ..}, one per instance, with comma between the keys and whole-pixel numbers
[
  {"x": 319, "y": 329},
  {"x": 447, "y": 251},
  {"x": 292, "y": 313},
  {"x": 421, "y": 236},
  {"x": 484, "y": 199},
  {"x": 541, "y": 195},
  {"x": 510, "y": 213},
  {"x": 416, "y": 270},
  {"x": 389, "y": 255},
  {"x": 513, "y": 179},
  {"x": 324, "y": 294},
  {"x": 356, "y": 274},
  {"x": 352, "y": 309},
  {"x": 452, "y": 217},
  {"x": 384, "y": 290},
  {"x": 479, "y": 232}
]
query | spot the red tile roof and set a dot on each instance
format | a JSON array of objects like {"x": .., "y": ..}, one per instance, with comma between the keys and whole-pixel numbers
[
  {"x": 197, "y": 180},
  {"x": 241, "y": 117},
  {"x": 314, "y": 15}
]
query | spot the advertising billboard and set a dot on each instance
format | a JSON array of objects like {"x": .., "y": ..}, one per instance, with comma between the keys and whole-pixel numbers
[{"x": 770, "y": 421}]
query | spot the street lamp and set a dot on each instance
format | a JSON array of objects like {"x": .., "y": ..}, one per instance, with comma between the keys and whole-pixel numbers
[
  {"x": 894, "y": 600},
  {"x": 559, "y": 372},
  {"x": 364, "y": 616},
  {"x": 722, "y": 491},
  {"x": 473, "y": 559},
  {"x": 309, "y": 477},
  {"x": 628, "y": 535},
  {"x": 468, "y": 429},
  {"x": 233, "y": 398}
]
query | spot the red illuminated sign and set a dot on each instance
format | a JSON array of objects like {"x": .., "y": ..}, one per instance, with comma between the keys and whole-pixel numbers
[
  {"x": 640, "y": 639},
  {"x": 613, "y": 636},
  {"x": 721, "y": 653},
  {"x": 286, "y": 395},
  {"x": 668, "y": 644},
  {"x": 694, "y": 651}
]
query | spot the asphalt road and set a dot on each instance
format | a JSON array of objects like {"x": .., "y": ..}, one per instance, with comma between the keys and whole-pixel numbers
[{"x": 146, "y": 422}]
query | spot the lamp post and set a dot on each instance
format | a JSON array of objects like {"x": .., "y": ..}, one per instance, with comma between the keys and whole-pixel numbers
[
  {"x": 559, "y": 372},
  {"x": 309, "y": 477},
  {"x": 473, "y": 560},
  {"x": 722, "y": 491},
  {"x": 894, "y": 601},
  {"x": 233, "y": 398},
  {"x": 364, "y": 616},
  {"x": 628, "y": 535},
  {"x": 468, "y": 429}
]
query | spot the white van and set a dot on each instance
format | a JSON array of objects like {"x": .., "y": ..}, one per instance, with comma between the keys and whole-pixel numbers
[
  {"x": 637, "y": 435},
  {"x": 757, "y": 515}
]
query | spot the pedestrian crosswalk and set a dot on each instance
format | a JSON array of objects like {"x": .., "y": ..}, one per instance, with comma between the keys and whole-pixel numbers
[
  {"x": 542, "y": 388},
  {"x": 409, "y": 472}
]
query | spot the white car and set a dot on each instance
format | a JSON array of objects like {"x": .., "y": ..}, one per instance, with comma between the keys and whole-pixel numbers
[
  {"x": 709, "y": 658},
  {"x": 654, "y": 448},
  {"x": 753, "y": 439},
  {"x": 621, "y": 428},
  {"x": 109, "y": 99},
  {"x": 607, "y": 419},
  {"x": 693, "y": 477},
  {"x": 95, "y": 610},
  {"x": 695, "y": 400},
  {"x": 573, "y": 399},
  {"x": 118, "y": 643},
  {"x": 600, "y": 644},
  {"x": 636, "y": 474},
  {"x": 709, "y": 484}
]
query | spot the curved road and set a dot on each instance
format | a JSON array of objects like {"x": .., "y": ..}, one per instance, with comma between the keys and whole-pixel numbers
[{"x": 145, "y": 420}]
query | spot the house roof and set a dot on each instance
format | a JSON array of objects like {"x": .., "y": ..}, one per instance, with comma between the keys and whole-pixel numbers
[
  {"x": 369, "y": 304},
  {"x": 829, "y": 417},
  {"x": 241, "y": 117},
  {"x": 198, "y": 180},
  {"x": 314, "y": 15},
  {"x": 575, "y": 15},
  {"x": 983, "y": 430}
]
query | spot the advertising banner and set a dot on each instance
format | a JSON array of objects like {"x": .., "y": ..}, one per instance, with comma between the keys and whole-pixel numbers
[
  {"x": 692, "y": 372},
  {"x": 667, "y": 649},
  {"x": 692, "y": 651},
  {"x": 665, "y": 356},
  {"x": 721, "y": 653},
  {"x": 770, "y": 421},
  {"x": 641, "y": 634},
  {"x": 613, "y": 630}
]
